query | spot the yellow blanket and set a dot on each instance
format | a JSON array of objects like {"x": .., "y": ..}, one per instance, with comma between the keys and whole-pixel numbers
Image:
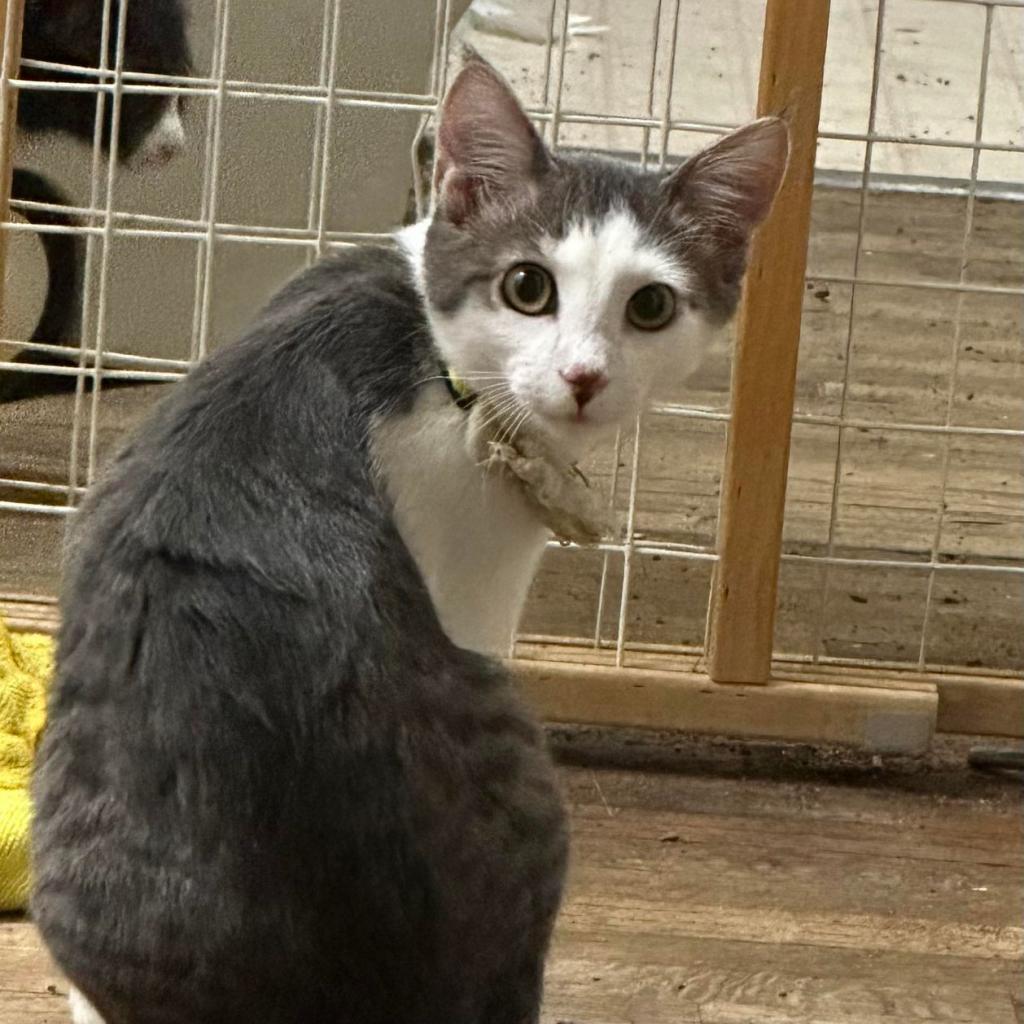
[{"x": 26, "y": 663}]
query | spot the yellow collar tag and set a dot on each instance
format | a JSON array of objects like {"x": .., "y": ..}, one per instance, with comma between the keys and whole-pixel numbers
[{"x": 462, "y": 394}]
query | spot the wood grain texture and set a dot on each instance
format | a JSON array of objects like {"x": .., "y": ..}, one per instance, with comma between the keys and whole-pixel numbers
[
  {"x": 981, "y": 707},
  {"x": 971, "y": 704},
  {"x": 743, "y": 594},
  {"x": 11, "y": 15},
  {"x": 898, "y": 718},
  {"x": 706, "y": 893}
]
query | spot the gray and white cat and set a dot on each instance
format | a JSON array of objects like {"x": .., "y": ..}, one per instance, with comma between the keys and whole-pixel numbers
[{"x": 280, "y": 781}]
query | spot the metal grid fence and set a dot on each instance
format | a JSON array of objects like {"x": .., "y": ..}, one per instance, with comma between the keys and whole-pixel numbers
[{"x": 613, "y": 618}]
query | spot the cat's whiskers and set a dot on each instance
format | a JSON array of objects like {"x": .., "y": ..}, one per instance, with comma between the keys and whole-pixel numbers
[
  {"x": 495, "y": 386},
  {"x": 505, "y": 410},
  {"x": 469, "y": 375},
  {"x": 498, "y": 409},
  {"x": 499, "y": 402},
  {"x": 505, "y": 437},
  {"x": 527, "y": 414},
  {"x": 515, "y": 425},
  {"x": 494, "y": 396}
]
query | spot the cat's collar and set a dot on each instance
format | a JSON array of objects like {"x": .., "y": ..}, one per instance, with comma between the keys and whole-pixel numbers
[
  {"x": 462, "y": 394},
  {"x": 558, "y": 492}
]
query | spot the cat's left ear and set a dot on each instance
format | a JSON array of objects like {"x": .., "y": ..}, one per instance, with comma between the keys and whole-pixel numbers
[
  {"x": 733, "y": 182},
  {"x": 488, "y": 151}
]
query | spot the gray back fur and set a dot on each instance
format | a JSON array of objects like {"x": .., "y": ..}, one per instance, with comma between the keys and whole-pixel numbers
[{"x": 271, "y": 789}]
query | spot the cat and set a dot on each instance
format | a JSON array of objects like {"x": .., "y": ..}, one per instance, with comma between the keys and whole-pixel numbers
[
  {"x": 283, "y": 779},
  {"x": 150, "y": 132}
]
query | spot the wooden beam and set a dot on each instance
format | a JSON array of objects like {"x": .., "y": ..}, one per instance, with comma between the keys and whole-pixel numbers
[
  {"x": 968, "y": 704},
  {"x": 743, "y": 595},
  {"x": 11, "y": 16},
  {"x": 29, "y": 615},
  {"x": 981, "y": 706},
  {"x": 975, "y": 704},
  {"x": 884, "y": 719}
]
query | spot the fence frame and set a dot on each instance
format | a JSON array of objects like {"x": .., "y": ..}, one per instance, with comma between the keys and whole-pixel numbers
[{"x": 740, "y": 691}]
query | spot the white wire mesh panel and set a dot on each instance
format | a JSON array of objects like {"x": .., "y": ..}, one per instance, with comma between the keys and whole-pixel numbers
[
  {"x": 179, "y": 259},
  {"x": 903, "y": 539},
  {"x": 913, "y": 556}
]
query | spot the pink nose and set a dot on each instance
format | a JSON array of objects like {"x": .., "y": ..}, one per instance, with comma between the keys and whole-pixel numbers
[{"x": 583, "y": 383}]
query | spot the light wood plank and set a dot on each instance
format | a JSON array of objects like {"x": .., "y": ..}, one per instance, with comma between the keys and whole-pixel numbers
[
  {"x": 981, "y": 707},
  {"x": 743, "y": 596},
  {"x": 878, "y": 933},
  {"x": 593, "y": 979},
  {"x": 976, "y": 704},
  {"x": 893, "y": 719}
]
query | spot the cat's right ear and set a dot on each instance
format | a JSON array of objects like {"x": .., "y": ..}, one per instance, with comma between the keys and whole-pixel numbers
[
  {"x": 731, "y": 185},
  {"x": 488, "y": 152}
]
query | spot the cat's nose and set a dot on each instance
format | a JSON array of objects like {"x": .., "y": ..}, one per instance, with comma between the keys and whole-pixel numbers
[{"x": 583, "y": 382}]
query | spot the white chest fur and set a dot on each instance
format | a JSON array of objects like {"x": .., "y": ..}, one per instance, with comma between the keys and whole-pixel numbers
[{"x": 474, "y": 538}]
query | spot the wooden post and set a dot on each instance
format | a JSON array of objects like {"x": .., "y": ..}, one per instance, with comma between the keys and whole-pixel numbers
[
  {"x": 743, "y": 595},
  {"x": 11, "y": 15}
]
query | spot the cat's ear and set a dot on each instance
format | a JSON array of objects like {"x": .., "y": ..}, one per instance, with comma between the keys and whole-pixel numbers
[
  {"x": 487, "y": 149},
  {"x": 733, "y": 182}
]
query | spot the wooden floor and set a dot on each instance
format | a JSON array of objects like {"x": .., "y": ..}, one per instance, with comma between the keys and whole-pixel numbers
[{"x": 717, "y": 883}]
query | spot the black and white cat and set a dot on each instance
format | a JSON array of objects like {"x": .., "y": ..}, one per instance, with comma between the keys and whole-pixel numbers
[
  {"x": 150, "y": 131},
  {"x": 280, "y": 782}
]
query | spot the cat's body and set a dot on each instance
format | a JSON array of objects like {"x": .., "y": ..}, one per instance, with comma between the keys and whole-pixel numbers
[
  {"x": 60, "y": 318},
  {"x": 150, "y": 131},
  {"x": 276, "y": 786},
  {"x": 70, "y": 32},
  {"x": 289, "y": 775}
]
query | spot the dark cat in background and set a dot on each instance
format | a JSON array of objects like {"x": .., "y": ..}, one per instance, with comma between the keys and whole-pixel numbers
[
  {"x": 149, "y": 131},
  {"x": 281, "y": 780}
]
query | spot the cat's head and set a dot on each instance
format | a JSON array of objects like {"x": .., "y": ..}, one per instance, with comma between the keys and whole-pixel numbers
[
  {"x": 573, "y": 283},
  {"x": 71, "y": 32}
]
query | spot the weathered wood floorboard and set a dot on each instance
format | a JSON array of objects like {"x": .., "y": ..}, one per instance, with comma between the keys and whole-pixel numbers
[{"x": 748, "y": 886}]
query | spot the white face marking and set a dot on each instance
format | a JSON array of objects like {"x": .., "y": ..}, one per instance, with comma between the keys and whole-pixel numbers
[
  {"x": 475, "y": 539},
  {"x": 597, "y": 267},
  {"x": 471, "y": 520},
  {"x": 167, "y": 137},
  {"x": 412, "y": 239}
]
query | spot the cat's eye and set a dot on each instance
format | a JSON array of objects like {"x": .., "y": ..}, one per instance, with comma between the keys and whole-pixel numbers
[
  {"x": 651, "y": 307},
  {"x": 529, "y": 289}
]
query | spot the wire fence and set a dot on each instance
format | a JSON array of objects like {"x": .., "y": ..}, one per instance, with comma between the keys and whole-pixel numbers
[{"x": 904, "y": 543}]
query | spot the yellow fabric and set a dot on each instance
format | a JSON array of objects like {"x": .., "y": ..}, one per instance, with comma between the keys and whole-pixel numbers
[{"x": 26, "y": 664}]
